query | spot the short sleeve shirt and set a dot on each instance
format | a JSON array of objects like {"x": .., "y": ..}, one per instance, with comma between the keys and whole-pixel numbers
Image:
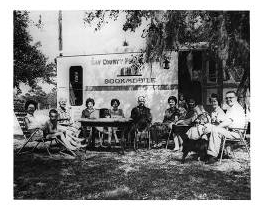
[
  {"x": 218, "y": 116},
  {"x": 33, "y": 122},
  {"x": 116, "y": 113},
  {"x": 237, "y": 115},
  {"x": 174, "y": 114},
  {"x": 90, "y": 114}
]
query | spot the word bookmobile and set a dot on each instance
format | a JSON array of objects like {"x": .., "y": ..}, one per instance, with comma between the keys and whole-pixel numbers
[{"x": 125, "y": 76}]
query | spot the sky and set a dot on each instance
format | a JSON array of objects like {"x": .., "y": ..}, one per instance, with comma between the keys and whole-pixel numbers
[
  {"x": 48, "y": 37},
  {"x": 78, "y": 37}
]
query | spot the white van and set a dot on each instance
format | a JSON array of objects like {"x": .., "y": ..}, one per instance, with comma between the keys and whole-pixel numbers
[{"x": 119, "y": 75}]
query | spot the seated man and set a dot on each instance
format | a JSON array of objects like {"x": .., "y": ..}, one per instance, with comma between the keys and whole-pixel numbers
[
  {"x": 141, "y": 116},
  {"x": 234, "y": 118}
]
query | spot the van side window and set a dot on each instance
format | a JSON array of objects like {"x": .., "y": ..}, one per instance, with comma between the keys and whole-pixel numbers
[{"x": 76, "y": 85}]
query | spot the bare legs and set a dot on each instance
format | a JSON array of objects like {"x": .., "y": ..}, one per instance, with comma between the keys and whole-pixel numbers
[
  {"x": 112, "y": 130},
  {"x": 178, "y": 142},
  {"x": 65, "y": 140}
]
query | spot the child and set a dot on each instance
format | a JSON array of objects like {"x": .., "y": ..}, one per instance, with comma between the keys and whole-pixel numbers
[
  {"x": 51, "y": 130},
  {"x": 197, "y": 131},
  {"x": 182, "y": 102}
]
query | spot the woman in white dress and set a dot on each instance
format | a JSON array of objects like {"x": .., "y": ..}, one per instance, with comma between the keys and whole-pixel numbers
[{"x": 32, "y": 123}]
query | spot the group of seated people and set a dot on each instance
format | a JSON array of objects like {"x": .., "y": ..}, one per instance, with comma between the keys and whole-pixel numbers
[
  {"x": 53, "y": 126},
  {"x": 210, "y": 126},
  {"x": 91, "y": 113},
  {"x": 60, "y": 124}
]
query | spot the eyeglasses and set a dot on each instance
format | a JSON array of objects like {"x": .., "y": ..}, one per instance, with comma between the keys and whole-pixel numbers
[{"x": 229, "y": 97}]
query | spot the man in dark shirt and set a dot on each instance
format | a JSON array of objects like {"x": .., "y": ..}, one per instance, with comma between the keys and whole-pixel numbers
[{"x": 141, "y": 115}]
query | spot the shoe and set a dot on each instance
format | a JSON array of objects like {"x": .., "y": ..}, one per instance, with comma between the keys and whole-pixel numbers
[
  {"x": 176, "y": 149},
  {"x": 79, "y": 139},
  {"x": 211, "y": 160},
  {"x": 159, "y": 145},
  {"x": 80, "y": 146}
]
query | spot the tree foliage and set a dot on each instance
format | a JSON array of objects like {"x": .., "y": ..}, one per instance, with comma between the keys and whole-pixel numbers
[
  {"x": 30, "y": 64},
  {"x": 45, "y": 100},
  {"x": 226, "y": 32}
]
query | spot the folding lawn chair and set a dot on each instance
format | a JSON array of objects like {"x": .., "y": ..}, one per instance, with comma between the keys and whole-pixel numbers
[
  {"x": 162, "y": 132},
  {"x": 241, "y": 139},
  {"x": 29, "y": 136}
]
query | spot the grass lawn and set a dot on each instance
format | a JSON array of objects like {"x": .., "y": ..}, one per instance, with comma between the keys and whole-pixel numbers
[{"x": 146, "y": 174}]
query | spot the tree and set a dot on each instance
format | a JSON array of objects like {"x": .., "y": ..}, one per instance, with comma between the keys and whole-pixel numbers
[
  {"x": 30, "y": 64},
  {"x": 37, "y": 94},
  {"x": 227, "y": 33},
  {"x": 52, "y": 98}
]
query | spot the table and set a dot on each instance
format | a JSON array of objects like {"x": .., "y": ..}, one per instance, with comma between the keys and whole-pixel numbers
[{"x": 122, "y": 123}]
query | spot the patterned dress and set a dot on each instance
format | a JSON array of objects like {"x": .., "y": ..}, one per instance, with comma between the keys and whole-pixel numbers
[
  {"x": 64, "y": 116},
  {"x": 66, "y": 124}
]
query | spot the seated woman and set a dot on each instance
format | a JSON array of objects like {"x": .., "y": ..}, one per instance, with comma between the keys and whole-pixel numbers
[
  {"x": 65, "y": 121},
  {"x": 51, "y": 130},
  {"x": 31, "y": 121},
  {"x": 188, "y": 120},
  {"x": 171, "y": 116},
  {"x": 217, "y": 116},
  {"x": 115, "y": 112},
  {"x": 90, "y": 113}
]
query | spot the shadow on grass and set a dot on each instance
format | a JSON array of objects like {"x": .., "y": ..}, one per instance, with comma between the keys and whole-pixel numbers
[{"x": 99, "y": 175}]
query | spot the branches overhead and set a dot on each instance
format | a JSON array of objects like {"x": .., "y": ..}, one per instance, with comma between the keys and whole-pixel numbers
[
  {"x": 226, "y": 32},
  {"x": 30, "y": 64}
]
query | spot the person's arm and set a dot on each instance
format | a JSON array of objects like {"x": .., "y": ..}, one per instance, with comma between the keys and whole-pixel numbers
[
  {"x": 134, "y": 114},
  {"x": 71, "y": 121},
  {"x": 149, "y": 116},
  {"x": 220, "y": 117},
  {"x": 83, "y": 114},
  {"x": 31, "y": 126},
  {"x": 165, "y": 117},
  {"x": 225, "y": 123},
  {"x": 182, "y": 113},
  {"x": 26, "y": 123},
  {"x": 122, "y": 114},
  {"x": 96, "y": 115}
]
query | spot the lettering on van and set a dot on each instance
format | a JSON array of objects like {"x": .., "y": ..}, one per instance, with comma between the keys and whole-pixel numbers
[
  {"x": 130, "y": 80},
  {"x": 118, "y": 61}
]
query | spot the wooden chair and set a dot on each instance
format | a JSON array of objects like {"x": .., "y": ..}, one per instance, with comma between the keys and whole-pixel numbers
[
  {"x": 29, "y": 136},
  {"x": 162, "y": 132},
  {"x": 142, "y": 136},
  {"x": 241, "y": 139}
]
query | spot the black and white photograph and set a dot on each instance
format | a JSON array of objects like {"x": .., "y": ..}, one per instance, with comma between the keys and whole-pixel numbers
[{"x": 146, "y": 104}]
